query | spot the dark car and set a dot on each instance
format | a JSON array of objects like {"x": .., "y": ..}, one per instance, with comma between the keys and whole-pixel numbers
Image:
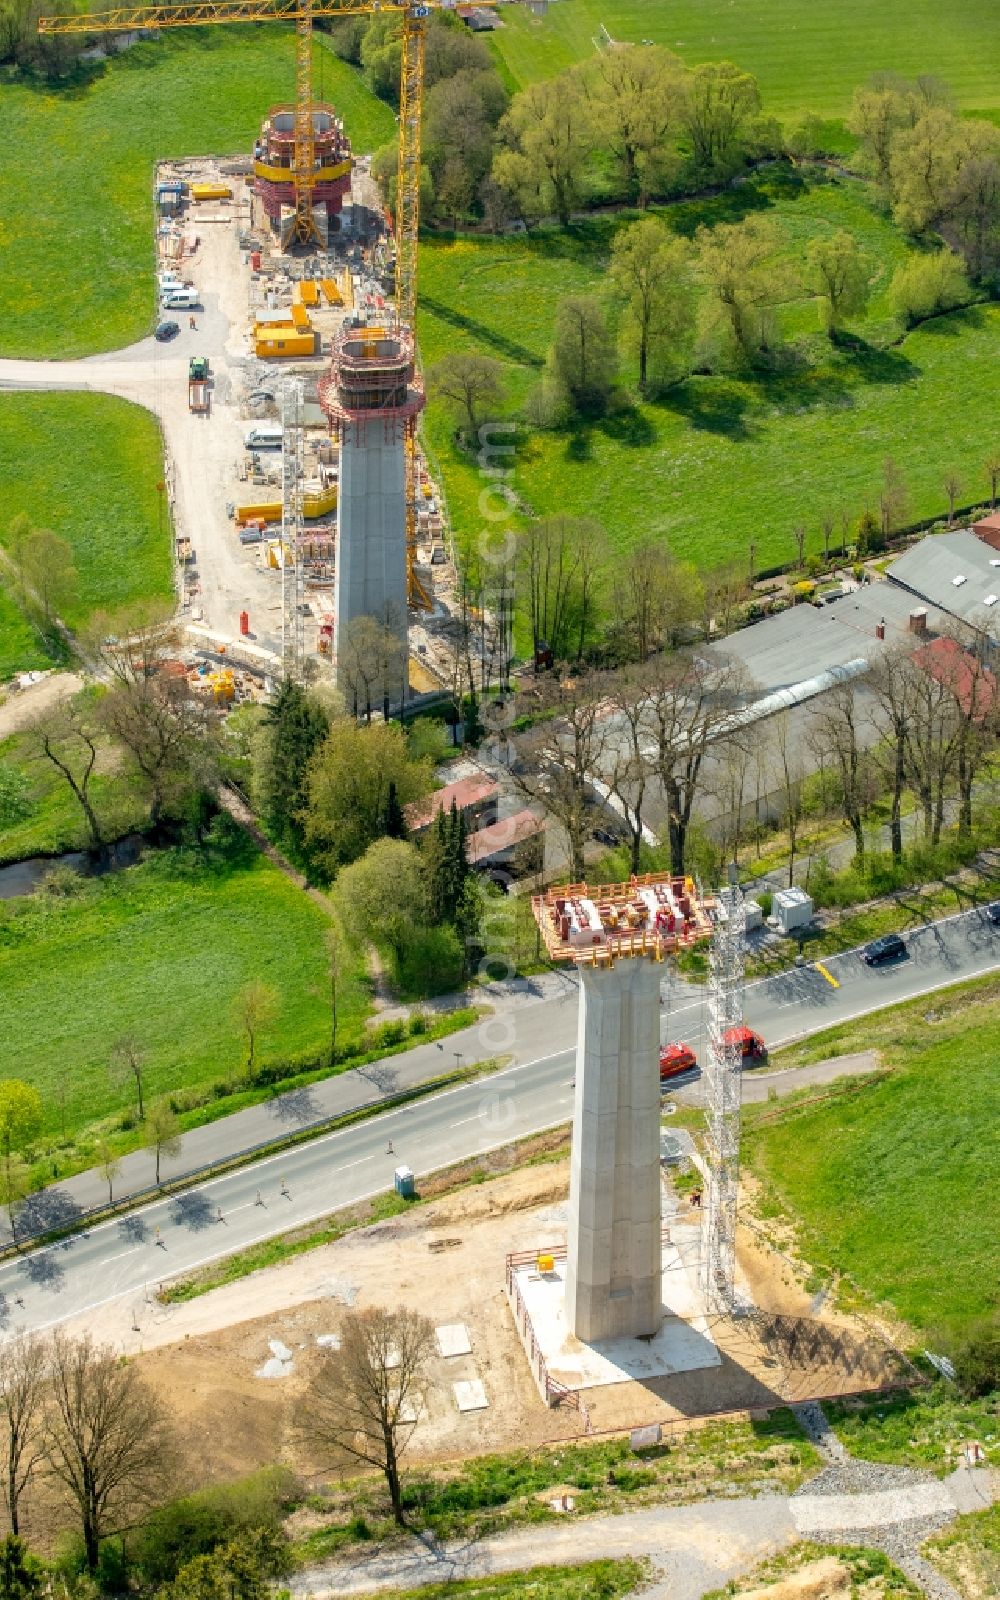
[
  {"x": 993, "y": 913},
  {"x": 166, "y": 330},
  {"x": 889, "y": 948}
]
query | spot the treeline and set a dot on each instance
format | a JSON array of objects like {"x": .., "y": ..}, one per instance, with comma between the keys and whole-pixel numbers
[
  {"x": 333, "y": 793},
  {"x": 631, "y": 125},
  {"x": 22, "y": 45}
]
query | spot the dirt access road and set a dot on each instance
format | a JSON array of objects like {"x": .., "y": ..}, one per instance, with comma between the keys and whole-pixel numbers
[{"x": 202, "y": 451}]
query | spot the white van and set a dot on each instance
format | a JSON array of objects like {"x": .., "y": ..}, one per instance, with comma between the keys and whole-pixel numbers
[
  {"x": 265, "y": 436},
  {"x": 180, "y": 299}
]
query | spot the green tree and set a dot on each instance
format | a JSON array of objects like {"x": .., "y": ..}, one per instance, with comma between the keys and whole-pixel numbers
[
  {"x": 717, "y": 108},
  {"x": 383, "y": 896},
  {"x": 582, "y": 359},
  {"x": 927, "y": 285},
  {"x": 241, "y": 1569},
  {"x": 48, "y": 574},
  {"x": 20, "y": 1573},
  {"x": 924, "y": 165},
  {"x": 20, "y": 1121},
  {"x": 549, "y": 136},
  {"x": 348, "y": 785},
  {"x": 162, "y": 1132},
  {"x": 741, "y": 264},
  {"x": 471, "y": 384},
  {"x": 838, "y": 275},
  {"x": 650, "y": 269},
  {"x": 297, "y": 723},
  {"x": 255, "y": 1007},
  {"x": 635, "y": 93},
  {"x": 446, "y": 865},
  {"x": 877, "y": 114}
]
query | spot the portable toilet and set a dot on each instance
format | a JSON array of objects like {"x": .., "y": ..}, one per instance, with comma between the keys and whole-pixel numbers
[
  {"x": 791, "y": 909},
  {"x": 404, "y": 1183}
]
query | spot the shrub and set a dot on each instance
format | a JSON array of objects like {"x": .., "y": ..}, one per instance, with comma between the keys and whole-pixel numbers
[
  {"x": 418, "y": 1023},
  {"x": 200, "y": 1522},
  {"x": 926, "y": 285},
  {"x": 431, "y": 961},
  {"x": 765, "y": 900},
  {"x": 975, "y": 1354}
]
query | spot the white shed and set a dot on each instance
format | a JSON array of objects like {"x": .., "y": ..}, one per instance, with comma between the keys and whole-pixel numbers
[{"x": 791, "y": 909}]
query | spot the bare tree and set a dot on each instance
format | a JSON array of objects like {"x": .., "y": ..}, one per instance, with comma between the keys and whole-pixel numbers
[
  {"x": 22, "y": 1384},
  {"x": 725, "y": 590},
  {"x": 626, "y": 768},
  {"x": 952, "y": 486},
  {"x": 127, "y": 1065},
  {"x": 66, "y": 737},
  {"x": 836, "y": 730},
  {"x": 162, "y": 1132},
  {"x": 558, "y": 760},
  {"x": 787, "y": 746},
  {"x": 690, "y": 704},
  {"x": 255, "y": 1006},
  {"x": 931, "y": 740},
  {"x": 472, "y": 385},
  {"x": 561, "y": 559},
  {"x": 107, "y": 1443},
  {"x": 827, "y": 523},
  {"x": 891, "y": 681},
  {"x": 893, "y": 497},
  {"x": 971, "y": 687},
  {"x": 993, "y": 473},
  {"x": 800, "y": 544},
  {"x": 364, "y": 1399},
  {"x": 655, "y": 598},
  {"x": 109, "y": 1165}
]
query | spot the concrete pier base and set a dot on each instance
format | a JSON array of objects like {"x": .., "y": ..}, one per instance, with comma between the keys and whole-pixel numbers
[{"x": 613, "y": 1269}]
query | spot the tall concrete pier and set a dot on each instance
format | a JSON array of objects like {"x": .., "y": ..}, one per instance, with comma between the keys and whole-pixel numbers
[
  {"x": 613, "y": 1270},
  {"x": 373, "y": 398}
]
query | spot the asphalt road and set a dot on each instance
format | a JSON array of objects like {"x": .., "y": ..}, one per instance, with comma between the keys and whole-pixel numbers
[{"x": 131, "y": 1255}]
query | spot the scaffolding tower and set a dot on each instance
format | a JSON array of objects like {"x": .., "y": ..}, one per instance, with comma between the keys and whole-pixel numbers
[
  {"x": 292, "y": 560},
  {"x": 723, "y": 1090}
]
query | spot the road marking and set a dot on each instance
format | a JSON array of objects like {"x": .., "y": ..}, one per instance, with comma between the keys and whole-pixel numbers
[
  {"x": 108, "y": 1259},
  {"x": 831, "y": 980}
]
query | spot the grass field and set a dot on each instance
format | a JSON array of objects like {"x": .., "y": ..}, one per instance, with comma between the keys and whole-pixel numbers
[
  {"x": 898, "y": 1186},
  {"x": 805, "y": 56},
  {"x": 20, "y": 648},
  {"x": 968, "y": 1553},
  {"x": 76, "y": 231},
  {"x": 160, "y": 951},
  {"x": 87, "y": 466},
  {"x": 719, "y": 460},
  {"x": 53, "y": 821}
]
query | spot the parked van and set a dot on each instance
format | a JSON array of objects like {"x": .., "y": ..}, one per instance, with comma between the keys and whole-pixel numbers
[
  {"x": 169, "y": 281},
  {"x": 264, "y": 436},
  {"x": 180, "y": 299}
]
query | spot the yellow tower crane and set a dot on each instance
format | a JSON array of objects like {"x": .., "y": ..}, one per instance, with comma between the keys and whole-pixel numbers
[
  {"x": 205, "y": 13},
  {"x": 303, "y": 230}
]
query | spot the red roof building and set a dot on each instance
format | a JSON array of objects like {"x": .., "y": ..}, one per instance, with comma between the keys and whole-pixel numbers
[
  {"x": 973, "y": 684},
  {"x": 490, "y": 843},
  {"x": 474, "y": 797}
]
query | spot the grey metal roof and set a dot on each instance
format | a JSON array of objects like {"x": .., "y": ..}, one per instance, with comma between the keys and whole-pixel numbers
[{"x": 930, "y": 569}]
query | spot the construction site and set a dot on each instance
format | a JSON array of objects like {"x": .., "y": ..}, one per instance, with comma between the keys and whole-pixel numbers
[{"x": 285, "y": 373}]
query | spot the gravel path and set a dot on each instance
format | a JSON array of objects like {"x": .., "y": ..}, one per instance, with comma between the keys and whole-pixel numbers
[{"x": 698, "y": 1547}]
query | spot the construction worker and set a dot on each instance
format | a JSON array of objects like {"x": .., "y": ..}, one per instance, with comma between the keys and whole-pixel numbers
[{"x": 192, "y": 324}]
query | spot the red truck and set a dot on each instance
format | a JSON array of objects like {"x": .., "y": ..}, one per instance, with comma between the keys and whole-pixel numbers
[
  {"x": 751, "y": 1045},
  {"x": 675, "y": 1059}
]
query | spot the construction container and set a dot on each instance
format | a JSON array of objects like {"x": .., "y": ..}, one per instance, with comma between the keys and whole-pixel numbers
[
  {"x": 269, "y": 342},
  {"x": 791, "y": 909},
  {"x": 403, "y": 1182},
  {"x": 308, "y": 292},
  {"x": 332, "y": 293},
  {"x": 300, "y": 317},
  {"x": 211, "y": 191}
]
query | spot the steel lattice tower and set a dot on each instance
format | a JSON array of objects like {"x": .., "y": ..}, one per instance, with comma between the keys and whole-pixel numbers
[
  {"x": 723, "y": 1090},
  {"x": 292, "y": 565}
]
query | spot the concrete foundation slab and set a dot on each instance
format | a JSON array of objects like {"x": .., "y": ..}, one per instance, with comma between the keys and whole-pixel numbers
[
  {"x": 682, "y": 1342},
  {"x": 453, "y": 1339},
  {"x": 470, "y": 1395}
]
